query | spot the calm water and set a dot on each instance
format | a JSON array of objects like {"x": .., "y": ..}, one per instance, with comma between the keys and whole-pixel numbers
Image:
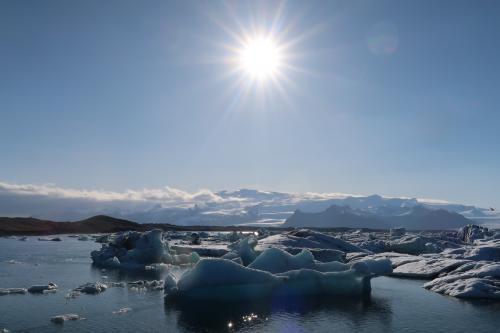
[{"x": 395, "y": 305}]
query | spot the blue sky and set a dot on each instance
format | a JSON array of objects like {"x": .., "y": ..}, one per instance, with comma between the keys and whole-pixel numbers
[{"x": 136, "y": 94}]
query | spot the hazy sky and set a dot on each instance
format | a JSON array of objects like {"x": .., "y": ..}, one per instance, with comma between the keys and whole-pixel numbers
[{"x": 389, "y": 97}]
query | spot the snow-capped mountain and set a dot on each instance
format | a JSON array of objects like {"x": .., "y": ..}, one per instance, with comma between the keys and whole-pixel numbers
[{"x": 243, "y": 206}]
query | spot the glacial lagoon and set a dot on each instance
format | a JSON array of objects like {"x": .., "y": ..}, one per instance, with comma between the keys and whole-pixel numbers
[{"x": 395, "y": 305}]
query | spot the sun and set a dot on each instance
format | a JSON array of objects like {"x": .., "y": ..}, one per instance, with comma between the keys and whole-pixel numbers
[{"x": 260, "y": 58}]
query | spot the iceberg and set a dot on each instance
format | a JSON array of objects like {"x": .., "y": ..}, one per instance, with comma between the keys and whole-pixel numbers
[
  {"x": 136, "y": 250},
  {"x": 275, "y": 261},
  {"x": 309, "y": 239},
  {"x": 412, "y": 244},
  {"x": 221, "y": 279},
  {"x": 323, "y": 255},
  {"x": 226, "y": 280},
  {"x": 482, "y": 251},
  {"x": 244, "y": 249},
  {"x": 472, "y": 280},
  {"x": 427, "y": 268},
  {"x": 469, "y": 233}
]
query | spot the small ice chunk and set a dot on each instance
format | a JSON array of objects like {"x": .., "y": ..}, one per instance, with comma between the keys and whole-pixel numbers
[
  {"x": 60, "y": 319},
  {"x": 152, "y": 285},
  {"x": 91, "y": 288},
  {"x": 12, "y": 262},
  {"x": 8, "y": 291},
  {"x": 122, "y": 311},
  {"x": 50, "y": 287}
]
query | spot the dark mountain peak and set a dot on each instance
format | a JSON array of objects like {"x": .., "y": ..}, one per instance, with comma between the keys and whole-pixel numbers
[{"x": 333, "y": 217}]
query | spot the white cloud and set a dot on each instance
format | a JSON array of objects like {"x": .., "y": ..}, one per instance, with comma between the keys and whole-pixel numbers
[
  {"x": 166, "y": 195},
  {"x": 52, "y": 202}
]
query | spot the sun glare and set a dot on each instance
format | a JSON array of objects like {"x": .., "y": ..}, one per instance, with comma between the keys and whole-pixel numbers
[{"x": 260, "y": 58}]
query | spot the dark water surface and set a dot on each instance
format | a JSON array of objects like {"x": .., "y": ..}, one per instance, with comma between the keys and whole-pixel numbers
[{"x": 396, "y": 305}]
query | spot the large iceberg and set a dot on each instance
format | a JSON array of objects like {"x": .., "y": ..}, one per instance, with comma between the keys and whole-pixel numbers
[
  {"x": 221, "y": 279},
  {"x": 273, "y": 273}
]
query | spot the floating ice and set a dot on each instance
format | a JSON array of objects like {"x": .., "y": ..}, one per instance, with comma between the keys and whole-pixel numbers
[
  {"x": 413, "y": 244},
  {"x": 275, "y": 260},
  {"x": 472, "y": 280},
  {"x": 309, "y": 239},
  {"x": 244, "y": 249},
  {"x": 469, "y": 233},
  {"x": 225, "y": 280},
  {"x": 323, "y": 255},
  {"x": 135, "y": 250},
  {"x": 91, "y": 288},
  {"x": 484, "y": 251},
  {"x": 9, "y": 291},
  {"x": 122, "y": 311},
  {"x": 50, "y": 287},
  {"x": 152, "y": 285},
  {"x": 427, "y": 268},
  {"x": 221, "y": 279},
  {"x": 55, "y": 239},
  {"x": 65, "y": 317}
]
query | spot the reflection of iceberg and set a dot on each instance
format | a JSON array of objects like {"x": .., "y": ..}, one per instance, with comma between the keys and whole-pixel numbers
[
  {"x": 351, "y": 311},
  {"x": 226, "y": 280}
]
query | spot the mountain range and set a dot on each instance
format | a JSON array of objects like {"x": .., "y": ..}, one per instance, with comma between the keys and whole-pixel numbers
[
  {"x": 415, "y": 217},
  {"x": 225, "y": 208}
]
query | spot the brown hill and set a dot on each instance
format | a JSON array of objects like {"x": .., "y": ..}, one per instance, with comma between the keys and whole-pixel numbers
[{"x": 95, "y": 224}]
